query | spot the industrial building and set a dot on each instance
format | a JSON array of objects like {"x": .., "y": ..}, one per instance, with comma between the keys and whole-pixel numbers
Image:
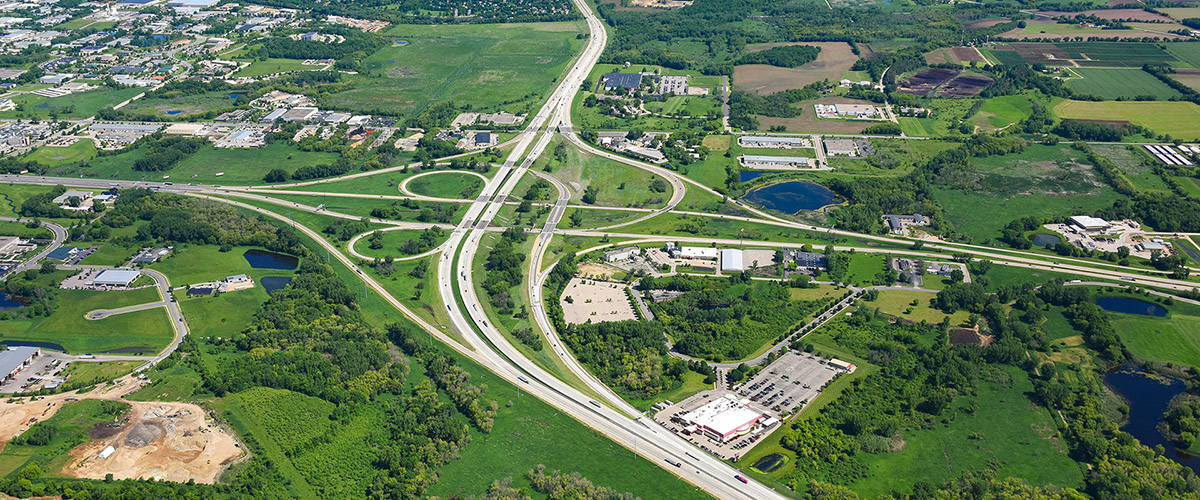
[
  {"x": 298, "y": 114},
  {"x": 116, "y": 277},
  {"x": 701, "y": 253},
  {"x": 762, "y": 141},
  {"x": 1167, "y": 154},
  {"x": 84, "y": 198},
  {"x": 627, "y": 81},
  {"x": 732, "y": 260},
  {"x": 840, "y": 147},
  {"x": 774, "y": 162},
  {"x": 14, "y": 359},
  {"x": 723, "y": 418},
  {"x": 274, "y": 115},
  {"x": 623, "y": 253},
  {"x": 1088, "y": 223}
]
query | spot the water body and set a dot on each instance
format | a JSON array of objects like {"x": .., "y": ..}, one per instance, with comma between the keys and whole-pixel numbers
[
  {"x": 5, "y": 303},
  {"x": 391, "y": 61},
  {"x": 749, "y": 176},
  {"x": 30, "y": 343},
  {"x": 1148, "y": 400},
  {"x": 1046, "y": 240},
  {"x": 793, "y": 196},
  {"x": 174, "y": 112},
  {"x": 262, "y": 259},
  {"x": 1131, "y": 306},
  {"x": 272, "y": 283},
  {"x": 401, "y": 42},
  {"x": 10, "y": 204}
]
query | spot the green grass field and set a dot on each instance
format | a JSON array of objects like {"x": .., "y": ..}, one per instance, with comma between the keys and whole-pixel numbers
[
  {"x": 1175, "y": 118},
  {"x": 1111, "y": 83},
  {"x": 202, "y": 263},
  {"x": 620, "y": 185},
  {"x": 488, "y": 67},
  {"x": 896, "y": 302},
  {"x": 53, "y": 156},
  {"x": 67, "y": 326},
  {"x": 75, "y": 106},
  {"x": 176, "y": 105},
  {"x": 19, "y": 229},
  {"x": 274, "y": 65},
  {"x": 1000, "y": 112},
  {"x": 1005, "y": 427},
  {"x": 94, "y": 373},
  {"x": 1173, "y": 339},
  {"x": 447, "y": 184},
  {"x": 221, "y": 315},
  {"x": 391, "y": 243},
  {"x": 177, "y": 383}
]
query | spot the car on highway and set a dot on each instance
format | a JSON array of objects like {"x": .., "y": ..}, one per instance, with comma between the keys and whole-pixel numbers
[{"x": 742, "y": 479}]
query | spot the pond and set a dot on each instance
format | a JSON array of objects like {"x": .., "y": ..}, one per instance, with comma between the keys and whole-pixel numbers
[
  {"x": 749, "y": 176},
  {"x": 1046, "y": 240},
  {"x": 793, "y": 196},
  {"x": 174, "y": 112},
  {"x": 5, "y": 303},
  {"x": 262, "y": 259},
  {"x": 1131, "y": 306},
  {"x": 272, "y": 283},
  {"x": 770, "y": 463},
  {"x": 31, "y": 343},
  {"x": 1148, "y": 400}
]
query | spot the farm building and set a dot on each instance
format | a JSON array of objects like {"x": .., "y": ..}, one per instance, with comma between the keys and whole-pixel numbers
[
  {"x": 723, "y": 418},
  {"x": 620, "y": 254},
  {"x": 762, "y": 141},
  {"x": 774, "y": 162},
  {"x": 732, "y": 260},
  {"x": 16, "y": 358},
  {"x": 628, "y": 81},
  {"x": 116, "y": 277}
]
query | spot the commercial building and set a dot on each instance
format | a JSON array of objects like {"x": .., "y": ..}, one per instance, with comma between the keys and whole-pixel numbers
[
  {"x": 723, "y": 418},
  {"x": 623, "y": 253},
  {"x": 116, "y": 277},
  {"x": 731, "y": 260},
  {"x": 628, "y": 81},
  {"x": 16, "y": 358},
  {"x": 62, "y": 253},
  {"x": 761, "y": 141},
  {"x": 302, "y": 114},
  {"x": 809, "y": 260},
  {"x": 1089, "y": 223},
  {"x": 840, "y": 147},
  {"x": 774, "y": 162},
  {"x": 653, "y": 155},
  {"x": 274, "y": 115},
  {"x": 701, "y": 253},
  {"x": 9, "y": 244}
]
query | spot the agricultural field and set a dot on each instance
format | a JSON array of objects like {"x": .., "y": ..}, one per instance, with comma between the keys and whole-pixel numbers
[
  {"x": 1093, "y": 54},
  {"x": 486, "y": 67},
  {"x": 1175, "y": 118},
  {"x": 955, "y": 55},
  {"x": 1189, "y": 77},
  {"x": 67, "y": 326},
  {"x": 619, "y": 185},
  {"x": 832, "y": 64},
  {"x": 1042, "y": 29},
  {"x": 1112, "y": 83},
  {"x": 1040, "y": 181},
  {"x": 1133, "y": 164},
  {"x": 1189, "y": 53}
]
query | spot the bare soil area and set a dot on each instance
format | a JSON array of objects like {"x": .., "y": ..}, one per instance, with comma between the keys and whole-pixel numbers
[
  {"x": 596, "y": 302},
  {"x": 834, "y": 60},
  {"x": 1111, "y": 14},
  {"x": 1189, "y": 77}
]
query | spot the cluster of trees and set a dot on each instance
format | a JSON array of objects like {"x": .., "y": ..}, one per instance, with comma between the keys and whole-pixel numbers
[
  {"x": 42, "y": 205},
  {"x": 162, "y": 153},
  {"x": 558, "y": 484},
  {"x": 182, "y": 219},
  {"x": 744, "y": 105},
  {"x": 37, "y": 298},
  {"x": 787, "y": 56},
  {"x": 349, "y": 53},
  {"x": 1079, "y": 130},
  {"x": 425, "y": 212},
  {"x": 503, "y": 266},
  {"x": 344, "y": 229},
  {"x": 448, "y": 375}
]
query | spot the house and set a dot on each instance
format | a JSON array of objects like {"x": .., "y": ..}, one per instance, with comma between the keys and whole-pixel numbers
[{"x": 623, "y": 253}]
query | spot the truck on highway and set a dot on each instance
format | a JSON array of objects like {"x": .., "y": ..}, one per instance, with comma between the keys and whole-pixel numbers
[
  {"x": 522, "y": 378},
  {"x": 594, "y": 403},
  {"x": 674, "y": 462}
]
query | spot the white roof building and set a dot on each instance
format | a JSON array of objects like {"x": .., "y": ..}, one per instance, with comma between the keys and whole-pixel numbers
[
  {"x": 1089, "y": 223},
  {"x": 704, "y": 253},
  {"x": 724, "y": 418},
  {"x": 731, "y": 260},
  {"x": 116, "y": 277}
]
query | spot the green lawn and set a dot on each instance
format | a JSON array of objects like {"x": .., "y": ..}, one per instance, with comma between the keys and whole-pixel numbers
[
  {"x": 1113, "y": 83},
  {"x": 484, "y": 66},
  {"x": 74, "y": 106},
  {"x": 177, "y": 383},
  {"x": 94, "y": 373},
  {"x": 177, "y": 105},
  {"x": 19, "y": 229},
  {"x": 1005, "y": 427},
  {"x": 237, "y": 166},
  {"x": 273, "y": 65},
  {"x": 67, "y": 326},
  {"x": 448, "y": 184},
  {"x": 222, "y": 315},
  {"x": 391, "y": 243},
  {"x": 896, "y": 302},
  {"x": 53, "y": 156},
  {"x": 1173, "y": 339},
  {"x": 619, "y": 185},
  {"x": 202, "y": 263},
  {"x": 1000, "y": 112}
]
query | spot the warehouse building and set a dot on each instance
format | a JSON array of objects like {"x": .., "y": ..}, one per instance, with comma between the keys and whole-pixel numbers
[
  {"x": 627, "y": 81},
  {"x": 16, "y": 358},
  {"x": 732, "y": 261},
  {"x": 774, "y": 162},
  {"x": 702, "y": 253},
  {"x": 840, "y": 147},
  {"x": 762, "y": 141},
  {"x": 116, "y": 278},
  {"x": 1088, "y": 223},
  {"x": 620, "y": 254},
  {"x": 298, "y": 114}
]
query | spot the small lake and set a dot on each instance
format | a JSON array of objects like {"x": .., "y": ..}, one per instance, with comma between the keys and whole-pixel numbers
[
  {"x": 30, "y": 343},
  {"x": 174, "y": 112},
  {"x": 793, "y": 196},
  {"x": 5, "y": 303},
  {"x": 1131, "y": 306},
  {"x": 272, "y": 283},
  {"x": 1046, "y": 240},
  {"x": 1148, "y": 400},
  {"x": 262, "y": 259},
  {"x": 749, "y": 176}
]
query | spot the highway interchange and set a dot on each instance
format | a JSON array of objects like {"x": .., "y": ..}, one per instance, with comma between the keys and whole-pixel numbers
[{"x": 599, "y": 407}]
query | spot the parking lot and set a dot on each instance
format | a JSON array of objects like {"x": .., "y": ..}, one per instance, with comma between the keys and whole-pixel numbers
[{"x": 791, "y": 382}]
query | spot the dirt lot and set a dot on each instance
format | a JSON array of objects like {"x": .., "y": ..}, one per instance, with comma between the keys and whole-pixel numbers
[
  {"x": 954, "y": 55},
  {"x": 964, "y": 86},
  {"x": 595, "y": 301},
  {"x": 833, "y": 61},
  {"x": 926, "y": 80},
  {"x": 150, "y": 445},
  {"x": 985, "y": 23},
  {"x": 597, "y": 270},
  {"x": 171, "y": 441}
]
